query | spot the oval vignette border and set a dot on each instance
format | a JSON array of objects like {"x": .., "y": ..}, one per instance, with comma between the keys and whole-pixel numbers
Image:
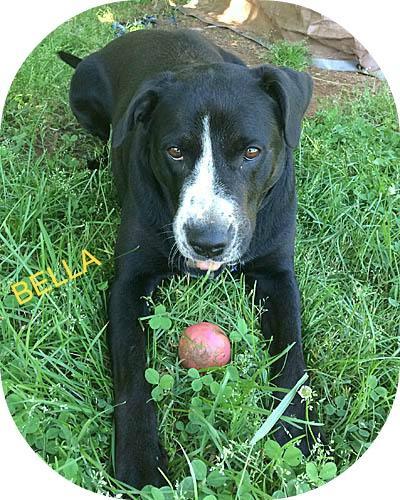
[{"x": 23, "y": 471}]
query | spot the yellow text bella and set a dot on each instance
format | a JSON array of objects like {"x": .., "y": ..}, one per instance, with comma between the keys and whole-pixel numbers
[{"x": 41, "y": 284}]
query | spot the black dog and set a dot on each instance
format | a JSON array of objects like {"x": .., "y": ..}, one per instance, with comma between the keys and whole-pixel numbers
[{"x": 202, "y": 147}]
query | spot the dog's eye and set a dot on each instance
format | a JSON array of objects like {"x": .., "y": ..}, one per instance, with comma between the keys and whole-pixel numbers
[
  {"x": 251, "y": 153},
  {"x": 175, "y": 153}
]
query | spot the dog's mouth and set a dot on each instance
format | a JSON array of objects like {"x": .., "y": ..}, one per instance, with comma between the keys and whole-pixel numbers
[{"x": 204, "y": 265}]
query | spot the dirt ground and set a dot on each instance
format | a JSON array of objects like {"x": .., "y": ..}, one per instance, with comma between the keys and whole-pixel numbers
[{"x": 326, "y": 83}]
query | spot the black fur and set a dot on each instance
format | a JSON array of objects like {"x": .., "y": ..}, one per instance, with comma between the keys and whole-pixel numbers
[
  {"x": 70, "y": 59},
  {"x": 154, "y": 87}
]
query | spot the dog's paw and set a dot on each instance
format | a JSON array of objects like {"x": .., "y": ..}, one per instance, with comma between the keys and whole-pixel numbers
[
  {"x": 308, "y": 437},
  {"x": 142, "y": 467}
]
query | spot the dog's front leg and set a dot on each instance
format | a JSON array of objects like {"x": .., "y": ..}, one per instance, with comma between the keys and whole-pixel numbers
[
  {"x": 138, "y": 453},
  {"x": 281, "y": 324}
]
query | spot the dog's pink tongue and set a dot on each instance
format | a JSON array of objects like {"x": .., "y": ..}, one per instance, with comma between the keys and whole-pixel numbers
[{"x": 207, "y": 265}]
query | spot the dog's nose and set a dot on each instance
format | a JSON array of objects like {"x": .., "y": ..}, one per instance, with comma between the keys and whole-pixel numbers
[{"x": 209, "y": 242}]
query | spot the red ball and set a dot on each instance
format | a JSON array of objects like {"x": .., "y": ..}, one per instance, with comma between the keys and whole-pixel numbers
[{"x": 204, "y": 345}]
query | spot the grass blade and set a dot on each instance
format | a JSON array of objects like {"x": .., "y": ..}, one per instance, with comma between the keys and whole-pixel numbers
[{"x": 277, "y": 412}]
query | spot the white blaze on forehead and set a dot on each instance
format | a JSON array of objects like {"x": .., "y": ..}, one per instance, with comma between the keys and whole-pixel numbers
[
  {"x": 200, "y": 193},
  {"x": 200, "y": 196}
]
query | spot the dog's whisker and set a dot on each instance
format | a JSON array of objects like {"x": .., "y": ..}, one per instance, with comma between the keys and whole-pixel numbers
[
  {"x": 172, "y": 254},
  {"x": 166, "y": 231}
]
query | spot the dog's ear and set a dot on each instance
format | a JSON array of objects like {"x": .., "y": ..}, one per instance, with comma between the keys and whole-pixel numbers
[
  {"x": 292, "y": 90},
  {"x": 141, "y": 107}
]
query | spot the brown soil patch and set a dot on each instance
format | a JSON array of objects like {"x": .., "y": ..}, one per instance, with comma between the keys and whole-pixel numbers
[{"x": 335, "y": 84}]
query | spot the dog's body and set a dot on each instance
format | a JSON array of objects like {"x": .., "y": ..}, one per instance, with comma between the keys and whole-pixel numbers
[{"x": 202, "y": 151}]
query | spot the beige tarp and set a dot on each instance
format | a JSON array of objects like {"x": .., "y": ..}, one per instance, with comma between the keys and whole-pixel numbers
[{"x": 272, "y": 20}]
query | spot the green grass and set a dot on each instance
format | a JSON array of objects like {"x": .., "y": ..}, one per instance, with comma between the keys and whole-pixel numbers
[
  {"x": 54, "y": 362},
  {"x": 295, "y": 55}
]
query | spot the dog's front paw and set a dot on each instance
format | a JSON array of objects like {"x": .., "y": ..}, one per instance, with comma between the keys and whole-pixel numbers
[
  {"x": 140, "y": 467},
  {"x": 309, "y": 435}
]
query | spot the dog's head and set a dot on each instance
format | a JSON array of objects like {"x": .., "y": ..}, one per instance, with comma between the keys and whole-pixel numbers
[{"x": 217, "y": 140}]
